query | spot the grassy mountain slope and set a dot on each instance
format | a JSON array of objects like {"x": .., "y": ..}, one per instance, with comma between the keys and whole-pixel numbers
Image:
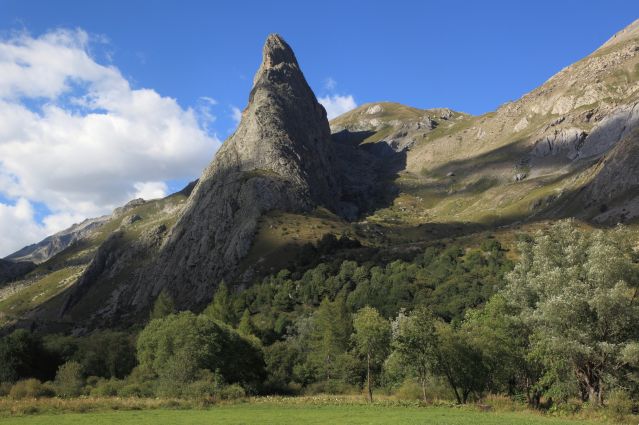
[{"x": 565, "y": 149}]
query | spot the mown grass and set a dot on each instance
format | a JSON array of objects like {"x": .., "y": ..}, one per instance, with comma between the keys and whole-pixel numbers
[{"x": 305, "y": 410}]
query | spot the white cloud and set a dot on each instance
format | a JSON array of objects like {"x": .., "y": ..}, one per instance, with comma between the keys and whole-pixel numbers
[
  {"x": 77, "y": 137},
  {"x": 336, "y": 105},
  {"x": 150, "y": 190},
  {"x": 236, "y": 115},
  {"x": 18, "y": 226}
]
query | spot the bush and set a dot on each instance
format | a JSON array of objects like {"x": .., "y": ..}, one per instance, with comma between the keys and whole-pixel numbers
[
  {"x": 178, "y": 347},
  {"x": 202, "y": 389},
  {"x": 68, "y": 380},
  {"x": 232, "y": 392},
  {"x": 571, "y": 406},
  {"x": 30, "y": 388},
  {"x": 136, "y": 390},
  {"x": 107, "y": 388},
  {"x": 619, "y": 405},
  {"x": 5, "y": 388},
  {"x": 409, "y": 390}
]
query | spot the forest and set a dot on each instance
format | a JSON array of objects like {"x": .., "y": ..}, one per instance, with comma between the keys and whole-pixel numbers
[{"x": 550, "y": 325}]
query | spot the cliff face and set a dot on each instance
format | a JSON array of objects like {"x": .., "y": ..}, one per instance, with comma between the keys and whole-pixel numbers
[
  {"x": 281, "y": 157},
  {"x": 391, "y": 176}
]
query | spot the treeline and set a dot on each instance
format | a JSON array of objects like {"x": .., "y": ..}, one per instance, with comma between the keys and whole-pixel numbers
[{"x": 451, "y": 322}]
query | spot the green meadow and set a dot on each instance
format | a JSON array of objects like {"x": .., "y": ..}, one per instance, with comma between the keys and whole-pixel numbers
[{"x": 247, "y": 413}]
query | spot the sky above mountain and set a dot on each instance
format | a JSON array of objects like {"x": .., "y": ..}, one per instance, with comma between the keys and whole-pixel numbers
[{"x": 101, "y": 102}]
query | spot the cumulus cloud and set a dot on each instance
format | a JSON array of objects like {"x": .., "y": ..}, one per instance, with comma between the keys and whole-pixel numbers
[
  {"x": 75, "y": 136},
  {"x": 18, "y": 226},
  {"x": 336, "y": 105},
  {"x": 150, "y": 190}
]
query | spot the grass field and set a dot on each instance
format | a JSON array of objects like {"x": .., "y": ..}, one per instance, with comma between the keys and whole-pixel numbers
[{"x": 297, "y": 414}]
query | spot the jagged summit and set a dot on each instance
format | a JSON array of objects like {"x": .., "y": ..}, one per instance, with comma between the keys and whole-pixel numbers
[
  {"x": 276, "y": 51},
  {"x": 402, "y": 177},
  {"x": 281, "y": 157}
]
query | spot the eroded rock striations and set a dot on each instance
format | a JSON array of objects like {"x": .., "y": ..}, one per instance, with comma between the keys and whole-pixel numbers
[{"x": 281, "y": 157}]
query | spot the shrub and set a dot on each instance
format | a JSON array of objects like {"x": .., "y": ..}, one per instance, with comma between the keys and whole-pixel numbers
[
  {"x": 68, "y": 380},
  {"x": 136, "y": 390},
  {"x": 5, "y": 387},
  {"x": 232, "y": 392},
  {"x": 571, "y": 406},
  {"x": 619, "y": 404},
  {"x": 202, "y": 389},
  {"x": 409, "y": 390},
  {"x": 107, "y": 388},
  {"x": 177, "y": 347},
  {"x": 30, "y": 388}
]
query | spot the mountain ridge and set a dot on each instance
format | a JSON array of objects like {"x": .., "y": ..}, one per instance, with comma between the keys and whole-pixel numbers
[{"x": 390, "y": 176}]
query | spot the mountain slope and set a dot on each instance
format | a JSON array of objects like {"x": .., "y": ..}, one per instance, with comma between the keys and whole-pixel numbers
[
  {"x": 393, "y": 177},
  {"x": 518, "y": 162},
  {"x": 280, "y": 158}
]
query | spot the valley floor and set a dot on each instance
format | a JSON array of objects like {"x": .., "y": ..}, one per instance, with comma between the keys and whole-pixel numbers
[{"x": 276, "y": 413}]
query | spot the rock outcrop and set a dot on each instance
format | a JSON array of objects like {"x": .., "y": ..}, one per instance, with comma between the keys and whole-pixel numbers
[
  {"x": 281, "y": 157},
  {"x": 614, "y": 191},
  {"x": 568, "y": 148}
]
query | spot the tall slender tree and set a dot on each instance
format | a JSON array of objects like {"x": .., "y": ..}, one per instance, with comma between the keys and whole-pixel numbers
[
  {"x": 415, "y": 342},
  {"x": 372, "y": 340}
]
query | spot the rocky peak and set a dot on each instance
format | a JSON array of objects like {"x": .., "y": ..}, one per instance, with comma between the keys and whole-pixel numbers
[
  {"x": 276, "y": 52},
  {"x": 281, "y": 157}
]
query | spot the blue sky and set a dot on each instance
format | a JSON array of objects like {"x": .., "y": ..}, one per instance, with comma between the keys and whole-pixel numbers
[{"x": 469, "y": 56}]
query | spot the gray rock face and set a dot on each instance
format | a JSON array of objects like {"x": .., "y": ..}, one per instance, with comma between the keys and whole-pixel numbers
[
  {"x": 280, "y": 157},
  {"x": 611, "y": 130},
  {"x": 612, "y": 196},
  {"x": 565, "y": 143}
]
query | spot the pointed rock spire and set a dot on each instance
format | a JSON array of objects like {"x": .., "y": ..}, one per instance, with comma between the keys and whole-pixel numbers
[
  {"x": 275, "y": 52},
  {"x": 280, "y": 158}
]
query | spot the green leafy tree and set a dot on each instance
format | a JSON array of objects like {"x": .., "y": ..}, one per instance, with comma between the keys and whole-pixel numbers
[
  {"x": 108, "y": 354},
  {"x": 163, "y": 306},
  {"x": 178, "y": 347},
  {"x": 503, "y": 338},
  {"x": 330, "y": 336},
  {"x": 221, "y": 307},
  {"x": 577, "y": 290},
  {"x": 69, "y": 379},
  {"x": 460, "y": 363},
  {"x": 372, "y": 340},
  {"x": 23, "y": 355},
  {"x": 415, "y": 343},
  {"x": 245, "y": 327}
]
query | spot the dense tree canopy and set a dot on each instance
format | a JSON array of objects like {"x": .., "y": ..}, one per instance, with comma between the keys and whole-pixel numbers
[
  {"x": 577, "y": 291},
  {"x": 560, "y": 323},
  {"x": 177, "y": 347}
]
